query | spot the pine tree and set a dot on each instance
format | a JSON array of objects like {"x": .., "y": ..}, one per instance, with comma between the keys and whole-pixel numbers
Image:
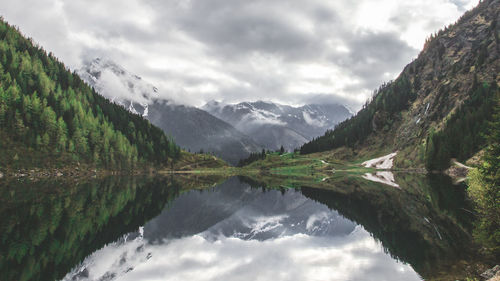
[{"x": 61, "y": 134}]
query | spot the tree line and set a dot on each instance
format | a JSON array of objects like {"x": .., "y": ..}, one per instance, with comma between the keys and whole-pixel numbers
[{"x": 256, "y": 156}]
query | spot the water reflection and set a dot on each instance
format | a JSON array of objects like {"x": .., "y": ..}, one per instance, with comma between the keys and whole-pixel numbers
[
  {"x": 48, "y": 227},
  {"x": 385, "y": 177},
  {"x": 144, "y": 228},
  {"x": 234, "y": 232}
]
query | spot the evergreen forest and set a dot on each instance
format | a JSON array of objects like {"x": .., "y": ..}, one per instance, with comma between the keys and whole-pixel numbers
[{"x": 47, "y": 108}]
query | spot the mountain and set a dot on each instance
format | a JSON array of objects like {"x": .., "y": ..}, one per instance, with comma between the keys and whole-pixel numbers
[
  {"x": 439, "y": 106},
  {"x": 192, "y": 128},
  {"x": 273, "y": 124},
  {"x": 50, "y": 118},
  {"x": 120, "y": 86}
]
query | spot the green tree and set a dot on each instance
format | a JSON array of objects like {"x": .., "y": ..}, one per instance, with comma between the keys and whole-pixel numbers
[
  {"x": 62, "y": 134},
  {"x": 49, "y": 121},
  {"x": 20, "y": 127}
]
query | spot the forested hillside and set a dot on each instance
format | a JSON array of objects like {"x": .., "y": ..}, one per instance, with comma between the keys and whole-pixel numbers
[
  {"x": 47, "y": 111},
  {"x": 484, "y": 183},
  {"x": 439, "y": 106}
]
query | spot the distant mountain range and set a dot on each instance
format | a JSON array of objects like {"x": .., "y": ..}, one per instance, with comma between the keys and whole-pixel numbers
[
  {"x": 231, "y": 131},
  {"x": 273, "y": 125},
  {"x": 192, "y": 128}
]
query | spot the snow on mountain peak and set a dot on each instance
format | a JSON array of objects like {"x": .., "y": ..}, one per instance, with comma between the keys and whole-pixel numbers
[{"x": 120, "y": 86}]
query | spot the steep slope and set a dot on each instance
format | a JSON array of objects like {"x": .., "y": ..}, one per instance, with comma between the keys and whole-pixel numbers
[
  {"x": 192, "y": 128},
  {"x": 274, "y": 125},
  {"x": 48, "y": 115},
  {"x": 439, "y": 105}
]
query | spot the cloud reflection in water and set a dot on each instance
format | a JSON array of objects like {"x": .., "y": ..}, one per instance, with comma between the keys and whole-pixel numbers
[{"x": 262, "y": 236}]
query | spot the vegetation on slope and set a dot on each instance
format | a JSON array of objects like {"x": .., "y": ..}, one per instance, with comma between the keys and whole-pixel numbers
[
  {"x": 463, "y": 133},
  {"x": 44, "y": 108},
  {"x": 484, "y": 188}
]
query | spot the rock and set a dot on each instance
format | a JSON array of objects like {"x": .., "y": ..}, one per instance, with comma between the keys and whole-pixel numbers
[
  {"x": 457, "y": 172},
  {"x": 59, "y": 174},
  {"x": 1, "y": 175},
  {"x": 492, "y": 273}
]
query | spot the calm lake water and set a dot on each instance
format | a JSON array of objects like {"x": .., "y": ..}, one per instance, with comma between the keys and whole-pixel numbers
[{"x": 138, "y": 228}]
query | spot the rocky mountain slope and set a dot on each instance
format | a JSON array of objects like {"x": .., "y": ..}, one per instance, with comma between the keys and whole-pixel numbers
[
  {"x": 274, "y": 124},
  {"x": 192, "y": 128},
  {"x": 439, "y": 105}
]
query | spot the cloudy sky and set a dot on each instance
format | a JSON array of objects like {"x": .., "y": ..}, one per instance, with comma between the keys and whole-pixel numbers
[{"x": 288, "y": 51}]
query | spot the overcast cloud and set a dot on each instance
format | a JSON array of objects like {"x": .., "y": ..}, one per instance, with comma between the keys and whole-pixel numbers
[{"x": 292, "y": 52}]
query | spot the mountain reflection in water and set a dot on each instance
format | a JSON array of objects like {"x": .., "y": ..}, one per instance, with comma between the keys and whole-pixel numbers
[
  {"x": 163, "y": 229},
  {"x": 234, "y": 232}
]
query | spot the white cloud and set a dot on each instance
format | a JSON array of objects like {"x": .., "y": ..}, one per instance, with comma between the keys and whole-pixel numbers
[
  {"x": 356, "y": 256},
  {"x": 242, "y": 50}
]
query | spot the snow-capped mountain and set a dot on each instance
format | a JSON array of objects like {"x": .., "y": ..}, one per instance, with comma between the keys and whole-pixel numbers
[
  {"x": 120, "y": 86},
  {"x": 191, "y": 128},
  {"x": 273, "y": 124}
]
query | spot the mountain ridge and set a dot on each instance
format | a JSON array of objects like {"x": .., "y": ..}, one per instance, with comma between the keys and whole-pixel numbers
[{"x": 274, "y": 125}]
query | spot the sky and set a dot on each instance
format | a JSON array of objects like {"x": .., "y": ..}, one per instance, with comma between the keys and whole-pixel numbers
[{"x": 287, "y": 51}]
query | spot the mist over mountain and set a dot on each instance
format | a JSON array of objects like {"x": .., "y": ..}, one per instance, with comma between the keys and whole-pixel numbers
[
  {"x": 273, "y": 124},
  {"x": 118, "y": 85},
  {"x": 229, "y": 131},
  {"x": 193, "y": 128}
]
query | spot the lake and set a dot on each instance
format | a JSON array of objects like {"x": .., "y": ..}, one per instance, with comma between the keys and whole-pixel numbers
[{"x": 195, "y": 228}]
